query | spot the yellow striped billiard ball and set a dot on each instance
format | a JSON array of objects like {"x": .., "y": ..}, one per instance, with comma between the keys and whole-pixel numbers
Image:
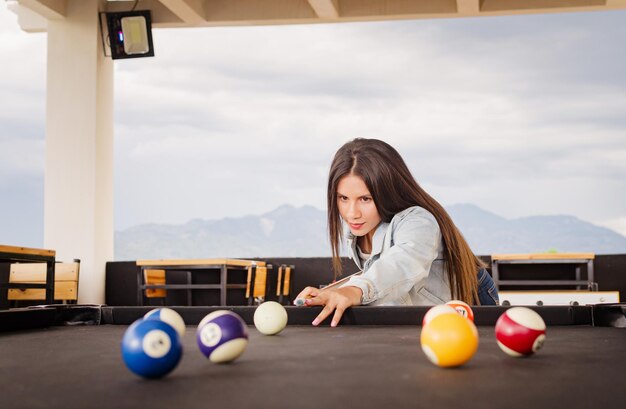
[{"x": 449, "y": 340}]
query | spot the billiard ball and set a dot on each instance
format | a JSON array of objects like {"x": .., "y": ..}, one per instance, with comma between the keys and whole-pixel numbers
[
  {"x": 222, "y": 336},
  {"x": 436, "y": 311},
  {"x": 151, "y": 348},
  {"x": 462, "y": 308},
  {"x": 449, "y": 340},
  {"x": 170, "y": 316},
  {"x": 270, "y": 318},
  {"x": 520, "y": 331}
]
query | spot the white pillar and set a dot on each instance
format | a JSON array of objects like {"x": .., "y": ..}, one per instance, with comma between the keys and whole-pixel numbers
[{"x": 78, "y": 208}]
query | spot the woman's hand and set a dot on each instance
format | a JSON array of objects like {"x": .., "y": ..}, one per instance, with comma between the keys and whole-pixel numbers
[{"x": 337, "y": 300}]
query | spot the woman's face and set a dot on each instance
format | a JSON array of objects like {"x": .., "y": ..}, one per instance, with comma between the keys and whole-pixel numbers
[{"x": 356, "y": 205}]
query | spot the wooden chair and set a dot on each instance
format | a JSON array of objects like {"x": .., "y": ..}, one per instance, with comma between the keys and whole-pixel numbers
[
  {"x": 155, "y": 277},
  {"x": 283, "y": 285},
  {"x": 256, "y": 283},
  {"x": 65, "y": 283}
]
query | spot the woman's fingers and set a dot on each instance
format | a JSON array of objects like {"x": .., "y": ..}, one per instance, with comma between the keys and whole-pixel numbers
[
  {"x": 308, "y": 291},
  {"x": 327, "y": 310},
  {"x": 324, "y": 314},
  {"x": 332, "y": 301},
  {"x": 339, "y": 310},
  {"x": 335, "y": 300},
  {"x": 306, "y": 294}
]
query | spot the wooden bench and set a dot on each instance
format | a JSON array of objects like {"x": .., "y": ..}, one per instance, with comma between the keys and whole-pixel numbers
[
  {"x": 576, "y": 259},
  {"x": 65, "y": 287},
  {"x": 151, "y": 278},
  {"x": 31, "y": 255}
]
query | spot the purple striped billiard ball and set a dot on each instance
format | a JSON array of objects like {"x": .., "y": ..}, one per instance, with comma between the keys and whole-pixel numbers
[{"x": 222, "y": 336}]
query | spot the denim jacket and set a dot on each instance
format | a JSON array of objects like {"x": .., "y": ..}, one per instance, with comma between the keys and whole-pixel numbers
[{"x": 406, "y": 264}]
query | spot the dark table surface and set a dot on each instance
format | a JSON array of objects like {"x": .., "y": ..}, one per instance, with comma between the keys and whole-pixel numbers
[{"x": 352, "y": 366}]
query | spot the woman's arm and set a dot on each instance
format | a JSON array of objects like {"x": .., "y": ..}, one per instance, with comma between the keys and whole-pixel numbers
[{"x": 416, "y": 240}]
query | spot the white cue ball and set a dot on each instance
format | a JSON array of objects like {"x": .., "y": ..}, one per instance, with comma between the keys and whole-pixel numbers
[{"x": 270, "y": 318}]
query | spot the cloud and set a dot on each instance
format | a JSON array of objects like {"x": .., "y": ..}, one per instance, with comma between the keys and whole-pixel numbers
[
  {"x": 473, "y": 106},
  {"x": 520, "y": 115},
  {"x": 22, "y": 107}
]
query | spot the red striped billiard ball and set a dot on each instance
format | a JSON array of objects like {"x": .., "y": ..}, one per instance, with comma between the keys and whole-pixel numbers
[
  {"x": 520, "y": 331},
  {"x": 462, "y": 308}
]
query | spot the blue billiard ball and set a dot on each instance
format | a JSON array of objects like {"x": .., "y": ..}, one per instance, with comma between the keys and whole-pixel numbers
[
  {"x": 151, "y": 348},
  {"x": 222, "y": 336}
]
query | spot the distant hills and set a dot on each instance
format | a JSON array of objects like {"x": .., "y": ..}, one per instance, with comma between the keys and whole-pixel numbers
[
  {"x": 301, "y": 232},
  {"x": 488, "y": 233},
  {"x": 284, "y": 232}
]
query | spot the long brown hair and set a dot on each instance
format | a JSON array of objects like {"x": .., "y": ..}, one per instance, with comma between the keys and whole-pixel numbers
[{"x": 394, "y": 189}]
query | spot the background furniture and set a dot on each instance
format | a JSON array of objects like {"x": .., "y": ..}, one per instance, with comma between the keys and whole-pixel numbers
[
  {"x": 65, "y": 286},
  {"x": 576, "y": 259},
  {"x": 31, "y": 255},
  {"x": 151, "y": 277},
  {"x": 284, "y": 283}
]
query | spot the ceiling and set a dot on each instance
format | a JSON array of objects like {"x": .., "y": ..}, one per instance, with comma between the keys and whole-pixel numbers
[{"x": 205, "y": 13}]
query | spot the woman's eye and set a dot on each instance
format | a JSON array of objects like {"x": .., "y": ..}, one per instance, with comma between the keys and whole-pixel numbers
[{"x": 366, "y": 199}]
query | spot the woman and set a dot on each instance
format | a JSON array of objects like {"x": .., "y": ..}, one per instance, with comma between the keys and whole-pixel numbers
[{"x": 405, "y": 243}]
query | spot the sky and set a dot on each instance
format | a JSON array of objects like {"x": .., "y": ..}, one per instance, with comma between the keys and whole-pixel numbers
[{"x": 519, "y": 115}]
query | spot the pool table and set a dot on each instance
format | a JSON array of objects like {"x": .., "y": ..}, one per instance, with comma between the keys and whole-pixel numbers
[{"x": 69, "y": 357}]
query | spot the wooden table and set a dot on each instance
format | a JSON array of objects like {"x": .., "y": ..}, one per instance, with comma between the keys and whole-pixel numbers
[
  {"x": 577, "y": 259},
  {"x": 31, "y": 255},
  {"x": 191, "y": 265}
]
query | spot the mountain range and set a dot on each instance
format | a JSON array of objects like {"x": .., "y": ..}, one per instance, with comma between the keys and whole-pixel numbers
[{"x": 301, "y": 232}]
